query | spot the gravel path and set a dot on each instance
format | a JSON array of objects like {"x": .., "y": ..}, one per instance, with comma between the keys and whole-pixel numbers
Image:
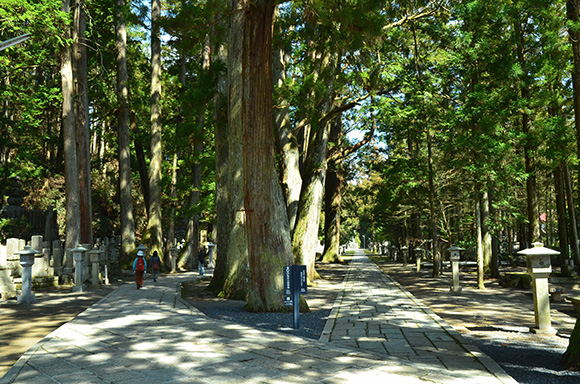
[{"x": 320, "y": 300}]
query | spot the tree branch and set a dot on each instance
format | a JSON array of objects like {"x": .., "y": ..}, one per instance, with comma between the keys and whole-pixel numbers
[{"x": 413, "y": 17}]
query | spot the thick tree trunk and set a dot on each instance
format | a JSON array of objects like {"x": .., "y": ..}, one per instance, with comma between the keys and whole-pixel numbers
[
  {"x": 154, "y": 225},
  {"x": 171, "y": 230},
  {"x": 479, "y": 238},
  {"x": 561, "y": 210},
  {"x": 531, "y": 198},
  {"x": 175, "y": 169},
  {"x": 287, "y": 144},
  {"x": 125, "y": 176},
  {"x": 494, "y": 242},
  {"x": 141, "y": 163},
  {"x": 571, "y": 358},
  {"x": 486, "y": 232},
  {"x": 432, "y": 216},
  {"x": 193, "y": 226},
  {"x": 572, "y": 217},
  {"x": 267, "y": 225},
  {"x": 573, "y": 13},
  {"x": 73, "y": 225},
  {"x": 232, "y": 270},
  {"x": 82, "y": 122},
  {"x": 305, "y": 235},
  {"x": 332, "y": 201}
]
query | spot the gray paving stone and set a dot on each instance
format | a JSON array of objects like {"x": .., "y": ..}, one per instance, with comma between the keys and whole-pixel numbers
[{"x": 373, "y": 320}]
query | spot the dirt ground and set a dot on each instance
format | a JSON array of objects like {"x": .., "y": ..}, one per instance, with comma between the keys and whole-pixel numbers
[
  {"x": 497, "y": 320},
  {"x": 480, "y": 311}
]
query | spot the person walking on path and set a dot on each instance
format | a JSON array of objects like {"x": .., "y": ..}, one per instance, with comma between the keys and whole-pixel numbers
[
  {"x": 139, "y": 267},
  {"x": 201, "y": 261},
  {"x": 155, "y": 262}
]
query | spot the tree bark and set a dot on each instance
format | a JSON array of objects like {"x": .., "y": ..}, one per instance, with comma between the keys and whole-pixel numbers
[
  {"x": 73, "y": 225},
  {"x": 193, "y": 225},
  {"x": 332, "y": 201},
  {"x": 572, "y": 216},
  {"x": 305, "y": 235},
  {"x": 531, "y": 198},
  {"x": 267, "y": 225},
  {"x": 154, "y": 225},
  {"x": 479, "y": 237},
  {"x": 82, "y": 121},
  {"x": 175, "y": 169},
  {"x": 141, "y": 163},
  {"x": 573, "y": 13},
  {"x": 494, "y": 241},
  {"x": 561, "y": 211},
  {"x": 125, "y": 175},
  {"x": 486, "y": 232},
  {"x": 432, "y": 216},
  {"x": 571, "y": 358},
  {"x": 287, "y": 144},
  {"x": 232, "y": 270},
  {"x": 171, "y": 230}
]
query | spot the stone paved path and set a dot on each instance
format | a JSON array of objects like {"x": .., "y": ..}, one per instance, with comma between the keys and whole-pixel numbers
[
  {"x": 376, "y": 314},
  {"x": 378, "y": 333}
]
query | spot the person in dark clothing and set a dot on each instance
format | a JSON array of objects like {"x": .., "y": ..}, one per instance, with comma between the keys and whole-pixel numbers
[
  {"x": 155, "y": 263},
  {"x": 201, "y": 260}
]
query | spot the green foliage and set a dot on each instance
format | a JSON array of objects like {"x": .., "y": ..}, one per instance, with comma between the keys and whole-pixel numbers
[{"x": 13, "y": 227}]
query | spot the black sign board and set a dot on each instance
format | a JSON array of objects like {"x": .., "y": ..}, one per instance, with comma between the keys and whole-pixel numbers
[
  {"x": 295, "y": 284},
  {"x": 302, "y": 278},
  {"x": 288, "y": 280}
]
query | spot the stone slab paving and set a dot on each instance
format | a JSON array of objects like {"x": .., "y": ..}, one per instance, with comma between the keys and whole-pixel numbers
[
  {"x": 377, "y": 315},
  {"x": 152, "y": 336}
]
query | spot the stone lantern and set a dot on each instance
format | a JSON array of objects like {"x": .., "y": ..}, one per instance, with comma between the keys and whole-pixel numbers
[
  {"x": 78, "y": 254},
  {"x": 26, "y": 261},
  {"x": 418, "y": 254},
  {"x": 94, "y": 259},
  {"x": 211, "y": 247},
  {"x": 173, "y": 258},
  {"x": 455, "y": 253},
  {"x": 540, "y": 268}
]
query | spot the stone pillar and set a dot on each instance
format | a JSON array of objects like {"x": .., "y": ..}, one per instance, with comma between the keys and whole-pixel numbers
[
  {"x": 418, "y": 255},
  {"x": 405, "y": 251},
  {"x": 211, "y": 247},
  {"x": 40, "y": 268},
  {"x": 540, "y": 268},
  {"x": 26, "y": 260},
  {"x": 57, "y": 255},
  {"x": 454, "y": 257},
  {"x": 94, "y": 258},
  {"x": 7, "y": 289},
  {"x": 3, "y": 256},
  {"x": 86, "y": 262},
  {"x": 36, "y": 242},
  {"x": 173, "y": 258},
  {"x": 78, "y": 256},
  {"x": 13, "y": 260}
]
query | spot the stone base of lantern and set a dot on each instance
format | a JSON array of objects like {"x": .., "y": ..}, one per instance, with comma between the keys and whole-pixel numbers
[
  {"x": 80, "y": 288},
  {"x": 544, "y": 331},
  {"x": 25, "y": 299}
]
